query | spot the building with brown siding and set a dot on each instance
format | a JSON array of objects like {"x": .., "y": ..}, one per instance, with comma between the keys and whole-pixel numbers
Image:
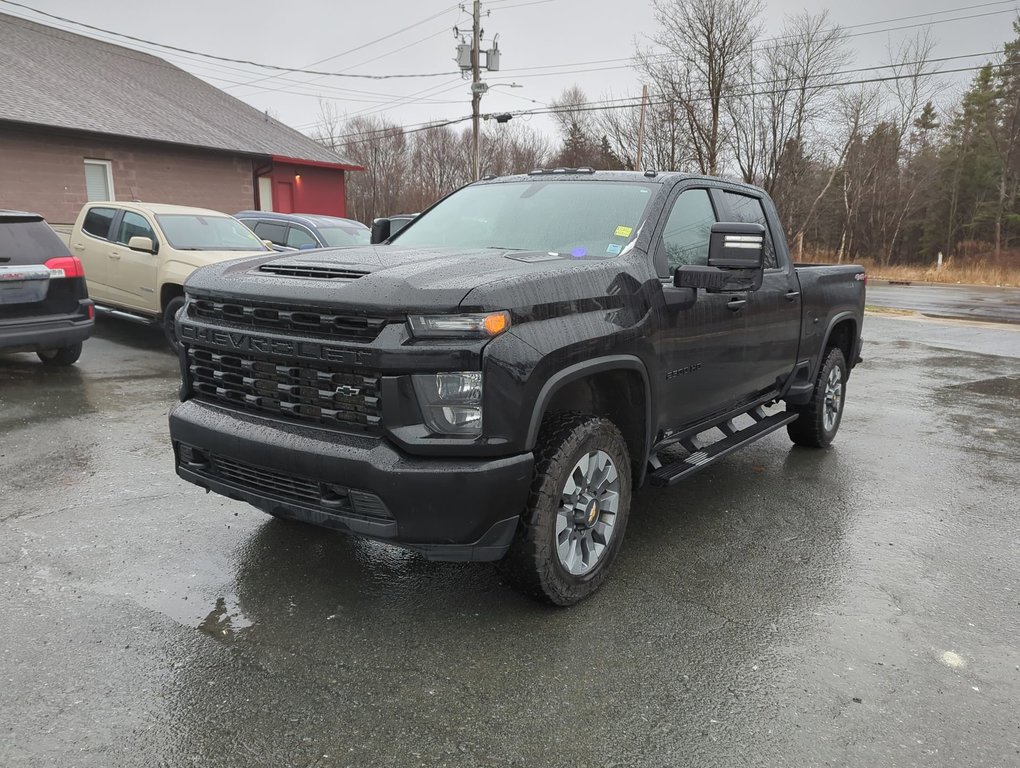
[{"x": 83, "y": 120}]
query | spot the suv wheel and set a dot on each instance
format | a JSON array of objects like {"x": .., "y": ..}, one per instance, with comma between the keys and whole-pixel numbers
[
  {"x": 63, "y": 356},
  {"x": 577, "y": 513},
  {"x": 169, "y": 325}
]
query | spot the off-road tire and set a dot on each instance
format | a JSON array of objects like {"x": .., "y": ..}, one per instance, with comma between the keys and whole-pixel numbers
[
  {"x": 532, "y": 564},
  {"x": 810, "y": 428},
  {"x": 61, "y": 357},
  {"x": 169, "y": 329}
]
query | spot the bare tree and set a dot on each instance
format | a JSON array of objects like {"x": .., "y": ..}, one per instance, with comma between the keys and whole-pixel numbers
[
  {"x": 705, "y": 43},
  {"x": 789, "y": 90}
]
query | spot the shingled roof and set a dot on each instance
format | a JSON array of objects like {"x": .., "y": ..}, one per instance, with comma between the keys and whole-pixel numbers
[{"x": 58, "y": 79}]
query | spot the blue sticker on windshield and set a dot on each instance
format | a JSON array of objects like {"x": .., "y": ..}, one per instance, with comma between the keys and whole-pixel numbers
[
  {"x": 614, "y": 248},
  {"x": 579, "y": 253}
]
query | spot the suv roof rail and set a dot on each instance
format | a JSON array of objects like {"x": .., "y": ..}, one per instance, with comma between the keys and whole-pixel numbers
[{"x": 543, "y": 171}]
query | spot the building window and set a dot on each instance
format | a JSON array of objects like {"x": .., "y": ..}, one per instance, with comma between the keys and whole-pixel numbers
[{"x": 98, "y": 180}]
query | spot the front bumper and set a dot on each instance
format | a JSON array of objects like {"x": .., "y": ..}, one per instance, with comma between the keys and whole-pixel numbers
[
  {"x": 43, "y": 333},
  {"x": 445, "y": 508}
]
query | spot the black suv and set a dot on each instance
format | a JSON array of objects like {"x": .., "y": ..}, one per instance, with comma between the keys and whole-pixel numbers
[{"x": 44, "y": 302}]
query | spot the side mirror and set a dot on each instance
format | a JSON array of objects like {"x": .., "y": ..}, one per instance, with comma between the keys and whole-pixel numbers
[
  {"x": 269, "y": 244},
  {"x": 737, "y": 246},
  {"x": 142, "y": 244},
  {"x": 380, "y": 231},
  {"x": 735, "y": 261}
]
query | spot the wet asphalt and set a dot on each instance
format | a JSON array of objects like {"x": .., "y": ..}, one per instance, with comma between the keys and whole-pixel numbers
[
  {"x": 787, "y": 607},
  {"x": 942, "y": 300}
]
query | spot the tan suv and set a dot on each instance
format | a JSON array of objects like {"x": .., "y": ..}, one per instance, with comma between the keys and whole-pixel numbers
[{"x": 138, "y": 255}]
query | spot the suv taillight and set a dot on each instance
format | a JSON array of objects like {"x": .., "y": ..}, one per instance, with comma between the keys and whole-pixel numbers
[{"x": 65, "y": 266}]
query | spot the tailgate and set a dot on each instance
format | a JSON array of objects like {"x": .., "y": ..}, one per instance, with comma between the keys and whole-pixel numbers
[{"x": 23, "y": 285}]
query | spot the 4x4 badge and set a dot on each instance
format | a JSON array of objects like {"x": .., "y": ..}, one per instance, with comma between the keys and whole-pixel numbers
[{"x": 347, "y": 391}]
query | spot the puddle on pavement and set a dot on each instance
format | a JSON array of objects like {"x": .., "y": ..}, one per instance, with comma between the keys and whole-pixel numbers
[
  {"x": 999, "y": 386},
  {"x": 226, "y": 620}
]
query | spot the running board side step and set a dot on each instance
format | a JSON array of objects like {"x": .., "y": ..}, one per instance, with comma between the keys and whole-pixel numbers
[
  {"x": 106, "y": 311},
  {"x": 671, "y": 474}
]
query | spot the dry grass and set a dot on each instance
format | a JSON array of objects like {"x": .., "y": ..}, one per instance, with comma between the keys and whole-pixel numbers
[{"x": 970, "y": 267}]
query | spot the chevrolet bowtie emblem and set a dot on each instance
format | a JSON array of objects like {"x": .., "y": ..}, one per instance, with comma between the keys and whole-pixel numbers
[{"x": 347, "y": 391}]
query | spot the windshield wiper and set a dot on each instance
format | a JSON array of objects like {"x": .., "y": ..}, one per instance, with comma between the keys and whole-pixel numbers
[{"x": 503, "y": 248}]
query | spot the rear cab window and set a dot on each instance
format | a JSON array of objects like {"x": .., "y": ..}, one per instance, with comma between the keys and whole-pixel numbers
[{"x": 98, "y": 222}]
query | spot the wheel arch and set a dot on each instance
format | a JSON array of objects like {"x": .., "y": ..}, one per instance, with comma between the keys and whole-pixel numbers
[
  {"x": 167, "y": 293},
  {"x": 607, "y": 387},
  {"x": 841, "y": 333}
]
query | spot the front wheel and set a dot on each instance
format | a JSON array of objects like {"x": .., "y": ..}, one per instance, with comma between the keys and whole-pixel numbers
[
  {"x": 819, "y": 418},
  {"x": 170, "y": 325},
  {"x": 63, "y": 356},
  {"x": 577, "y": 513}
]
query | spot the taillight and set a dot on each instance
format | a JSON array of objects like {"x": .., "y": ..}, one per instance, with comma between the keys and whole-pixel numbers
[{"x": 65, "y": 266}]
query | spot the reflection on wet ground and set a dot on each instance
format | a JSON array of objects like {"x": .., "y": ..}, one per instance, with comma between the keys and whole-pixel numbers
[{"x": 855, "y": 606}]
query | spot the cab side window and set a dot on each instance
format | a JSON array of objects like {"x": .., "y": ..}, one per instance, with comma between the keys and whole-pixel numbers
[
  {"x": 97, "y": 222},
  {"x": 274, "y": 233},
  {"x": 749, "y": 210},
  {"x": 134, "y": 225},
  {"x": 689, "y": 229},
  {"x": 299, "y": 238}
]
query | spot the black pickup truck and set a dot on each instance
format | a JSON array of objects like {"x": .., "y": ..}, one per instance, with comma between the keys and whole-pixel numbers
[{"x": 494, "y": 381}]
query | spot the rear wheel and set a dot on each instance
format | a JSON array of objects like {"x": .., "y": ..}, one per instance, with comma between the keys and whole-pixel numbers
[
  {"x": 169, "y": 324},
  {"x": 577, "y": 513},
  {"x": 819, "y": 418},
  {"x": 62, "y": 356}
]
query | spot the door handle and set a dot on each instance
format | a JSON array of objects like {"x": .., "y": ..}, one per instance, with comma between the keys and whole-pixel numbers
[
  {"x": 792, "y": 295},
  {"x": 79, "y": 247},
  {"x": 734, "y": 305},
  {"x": 115, "y": 255}
]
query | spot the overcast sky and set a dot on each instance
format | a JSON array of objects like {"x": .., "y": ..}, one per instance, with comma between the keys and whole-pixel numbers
[{"x": 546, "y": 45}]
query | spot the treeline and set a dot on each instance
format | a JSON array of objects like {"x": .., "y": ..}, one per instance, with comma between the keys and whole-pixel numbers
[{"x": 878, "y": 162}]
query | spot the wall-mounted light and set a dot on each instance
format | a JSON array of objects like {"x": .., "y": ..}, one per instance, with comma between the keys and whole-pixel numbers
[{"x": 297, "y": 177}]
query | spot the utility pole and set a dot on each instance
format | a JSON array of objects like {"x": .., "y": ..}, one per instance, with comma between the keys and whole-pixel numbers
[
  {"x": 641, "y": 128},
  {"x": 476, "y": 91}
]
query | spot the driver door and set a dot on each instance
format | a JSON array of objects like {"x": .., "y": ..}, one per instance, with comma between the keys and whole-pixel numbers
[
  {"x": 133, "y": 273},
  {"x": 701, "y": 347}
]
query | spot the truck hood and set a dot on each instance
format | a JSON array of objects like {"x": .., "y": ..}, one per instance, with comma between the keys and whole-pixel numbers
[
  {"x": 203, "y": 258},
  {"x": 394, "y": 280}
]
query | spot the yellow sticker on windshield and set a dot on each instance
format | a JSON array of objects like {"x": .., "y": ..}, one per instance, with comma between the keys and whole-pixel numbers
[{"x": 623, "y": 231}]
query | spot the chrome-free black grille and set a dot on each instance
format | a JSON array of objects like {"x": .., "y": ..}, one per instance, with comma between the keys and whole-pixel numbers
[
  {"x": 315, "y": 393},
  {"x": 266, "y": 480},
  {"x": 332, "y": 498},
  {"x": 309, "y": 321}
]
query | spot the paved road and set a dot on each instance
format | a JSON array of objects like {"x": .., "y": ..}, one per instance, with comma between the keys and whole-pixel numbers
[
  {"x": 788, "y": 607},
  {"x": 999, "y": 305}
]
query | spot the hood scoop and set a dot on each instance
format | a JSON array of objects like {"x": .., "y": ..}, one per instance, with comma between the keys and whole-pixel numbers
[{"x": 316, "y": 271}]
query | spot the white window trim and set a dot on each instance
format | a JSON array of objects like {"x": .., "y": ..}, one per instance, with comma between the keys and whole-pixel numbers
[{"x": 108, "y": 166}]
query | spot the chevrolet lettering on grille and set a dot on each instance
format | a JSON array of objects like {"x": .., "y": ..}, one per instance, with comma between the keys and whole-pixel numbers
[{"x": 245, "y": 342}]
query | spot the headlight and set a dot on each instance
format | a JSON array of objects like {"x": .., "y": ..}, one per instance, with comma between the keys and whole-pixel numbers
[
  {"x": 451, "y": 402},
  {"x": 481, "y": 325}
]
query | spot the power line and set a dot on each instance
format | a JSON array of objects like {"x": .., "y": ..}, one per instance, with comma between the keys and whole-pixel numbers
[
  {"x": 609, "y": 105},
  {"x": 630, "y": 59},
  {"x": 215, "y": 57},
  {"x": 378, "y": 40}
]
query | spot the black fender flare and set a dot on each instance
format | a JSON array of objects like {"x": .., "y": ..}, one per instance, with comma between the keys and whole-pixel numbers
[
  {"x": 838, "y": 318},
  {"x": 581, "y": 370}
]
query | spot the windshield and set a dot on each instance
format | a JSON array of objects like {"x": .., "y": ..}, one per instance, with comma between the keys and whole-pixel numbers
[
  {"x": 340, "y": 236},
  {"x": 582, "y": 218},
  {"x": 193, "y": 232}
]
